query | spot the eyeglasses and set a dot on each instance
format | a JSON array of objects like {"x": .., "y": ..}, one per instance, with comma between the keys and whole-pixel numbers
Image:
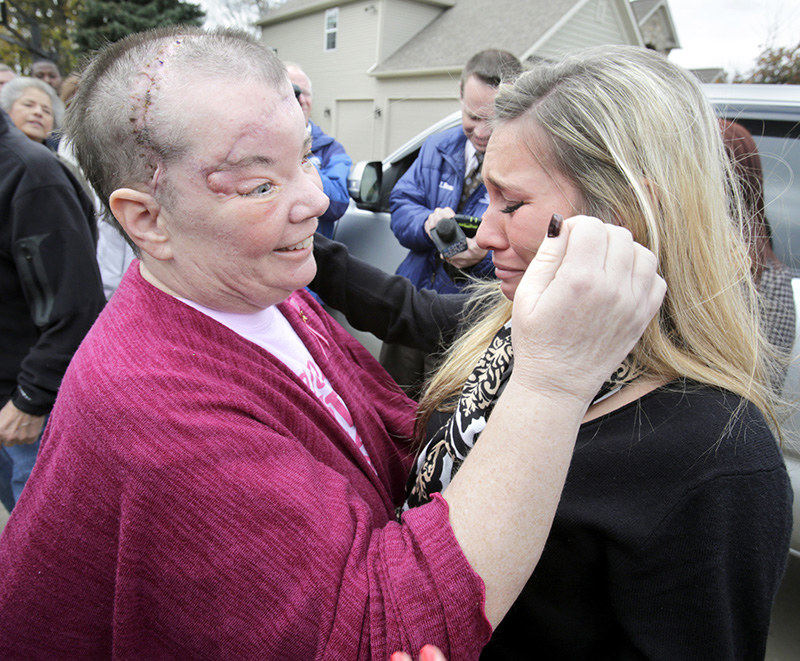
[{"x": 297, "y": 91}]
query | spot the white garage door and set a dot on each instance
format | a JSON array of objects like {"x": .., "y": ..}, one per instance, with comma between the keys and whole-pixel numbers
[{"x": 407, "y": 117}]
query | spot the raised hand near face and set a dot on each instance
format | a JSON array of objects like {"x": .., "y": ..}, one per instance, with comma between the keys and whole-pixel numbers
[{"x": 584, "y": 301}]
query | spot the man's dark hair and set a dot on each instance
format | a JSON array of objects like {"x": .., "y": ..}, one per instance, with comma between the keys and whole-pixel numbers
[{"x": 491, "y": 67}]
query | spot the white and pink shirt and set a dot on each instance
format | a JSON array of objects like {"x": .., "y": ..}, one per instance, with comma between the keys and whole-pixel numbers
[{"x": 270, "y": 330}]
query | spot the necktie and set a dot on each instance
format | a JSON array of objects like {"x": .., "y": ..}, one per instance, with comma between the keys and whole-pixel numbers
[{"x": 471, "y": 182}]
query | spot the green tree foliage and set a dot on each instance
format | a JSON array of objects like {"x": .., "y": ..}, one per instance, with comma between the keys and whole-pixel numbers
[
  {"x": 34, "y": 29},
  {"x": 103, "y": 21},
  {"x": 775, "y": 65},
  {"x": 61, "y": 30}
]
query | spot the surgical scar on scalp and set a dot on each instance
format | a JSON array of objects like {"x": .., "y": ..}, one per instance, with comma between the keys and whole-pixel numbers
[{"x": 146, "y": 85}]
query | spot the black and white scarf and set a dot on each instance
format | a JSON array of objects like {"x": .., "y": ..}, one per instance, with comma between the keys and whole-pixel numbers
[{"x": 444, "y": 453}]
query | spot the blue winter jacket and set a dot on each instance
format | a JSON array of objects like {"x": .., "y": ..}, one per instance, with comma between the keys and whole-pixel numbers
[
  {"x": 333, "y": 165},
  {"x": 435, "y": 179}
]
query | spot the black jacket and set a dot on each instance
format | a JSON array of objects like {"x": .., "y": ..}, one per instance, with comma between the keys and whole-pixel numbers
[
  {"x": 50, "y": 289},
  {"x": 671, "y": 535}
]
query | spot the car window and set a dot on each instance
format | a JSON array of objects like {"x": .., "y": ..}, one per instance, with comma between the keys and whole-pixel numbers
[
  {"x": 779, "y": 147},
  {"x": 392, "y": 175},
  {"x": 780, "y": 158}
]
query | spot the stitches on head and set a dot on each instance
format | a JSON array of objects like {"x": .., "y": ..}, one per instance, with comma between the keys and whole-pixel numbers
[
  {"x": 145, "y": 88},
  {"x": 126, "y": 121}
]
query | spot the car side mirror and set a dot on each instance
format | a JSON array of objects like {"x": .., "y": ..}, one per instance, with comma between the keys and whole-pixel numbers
[{"x": 364, "y": 184}]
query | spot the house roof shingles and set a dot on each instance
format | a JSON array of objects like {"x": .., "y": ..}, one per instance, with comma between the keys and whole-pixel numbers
[{"x": 467, "y": 27}]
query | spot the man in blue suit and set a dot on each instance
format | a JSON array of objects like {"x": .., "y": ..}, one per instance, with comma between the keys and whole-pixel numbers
[
  {"x": 445, "y": 179},
  {"x": 330, "y": 158}
]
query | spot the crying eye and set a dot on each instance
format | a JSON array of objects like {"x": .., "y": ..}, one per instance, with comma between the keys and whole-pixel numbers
[{"x": 511, "y": 208}]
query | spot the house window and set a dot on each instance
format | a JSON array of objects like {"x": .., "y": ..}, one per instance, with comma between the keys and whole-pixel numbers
[{"x": 331, "y": 28}]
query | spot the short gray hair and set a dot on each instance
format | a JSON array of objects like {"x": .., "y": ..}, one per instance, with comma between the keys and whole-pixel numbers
[
  {"x": 16, "y": 87},
  {"x": 121, "y": 124}
]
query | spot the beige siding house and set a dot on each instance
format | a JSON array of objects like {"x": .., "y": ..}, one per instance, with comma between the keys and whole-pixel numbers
[
  {"x": 658, "y": 32},
  {"x": 383, "y": 70},
  {"x": 655, "y": 24}
]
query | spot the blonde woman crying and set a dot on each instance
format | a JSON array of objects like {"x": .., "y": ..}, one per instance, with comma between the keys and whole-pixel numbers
[{"x": 671, "y": 535}]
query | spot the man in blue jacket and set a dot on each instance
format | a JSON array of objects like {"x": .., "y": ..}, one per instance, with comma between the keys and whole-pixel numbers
[
  {"x": 330, "y": 158},
  {"x": 445, "y": 179}
]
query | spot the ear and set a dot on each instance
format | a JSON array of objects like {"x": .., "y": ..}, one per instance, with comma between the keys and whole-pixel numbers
[{"x": 139, "y": 214}]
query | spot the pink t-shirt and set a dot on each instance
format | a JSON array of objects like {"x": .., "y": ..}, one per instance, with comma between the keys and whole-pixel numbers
[{"x": 270, "y": 330}]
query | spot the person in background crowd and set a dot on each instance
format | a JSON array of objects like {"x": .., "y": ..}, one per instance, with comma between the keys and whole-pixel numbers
[
  {"x": 328, "y": 155},
  {"x": 221, "y": 469},
  {"x": 114, "y": 253},
  {"x": 773, "y": 278},
  {"x": 446, "y": 179},
  {"x": 33, "y": 106},
  {"x": 69, "y": 87},
  {"x": 6, "y": 74},
  {"x": 49, "y": 289},
  {"x": 47, "y": 71},
  {"x": 671, "y": 536}
]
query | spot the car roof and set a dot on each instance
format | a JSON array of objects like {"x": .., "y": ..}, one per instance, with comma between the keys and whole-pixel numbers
[
  {"x": 772, "y": 102},
  {"x": 767, "y": 94},
  {"x": 741, "y": 101}
]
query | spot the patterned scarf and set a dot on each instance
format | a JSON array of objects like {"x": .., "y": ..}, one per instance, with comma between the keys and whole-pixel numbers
[{"x": 443, "y": 454}]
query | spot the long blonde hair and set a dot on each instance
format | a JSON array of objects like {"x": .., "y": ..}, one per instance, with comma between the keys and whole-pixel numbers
[{"x": 638, "y": 138}]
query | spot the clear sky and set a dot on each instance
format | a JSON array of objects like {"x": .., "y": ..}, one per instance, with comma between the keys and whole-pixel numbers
[{"x": 731, "y": 33}]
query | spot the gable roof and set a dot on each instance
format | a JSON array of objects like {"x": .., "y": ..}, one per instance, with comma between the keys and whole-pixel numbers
[
  {"x": 294, "y": 8},
  {"x": 710, "y": 74},
  {"x": 644, "y": 9},
  {"x": 467, "y": 27}
]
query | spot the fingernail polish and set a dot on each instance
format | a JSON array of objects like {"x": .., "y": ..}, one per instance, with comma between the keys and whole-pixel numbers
[{"x": 554, "y": 228}]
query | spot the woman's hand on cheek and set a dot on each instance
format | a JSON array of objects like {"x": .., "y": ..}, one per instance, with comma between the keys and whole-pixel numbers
[{"x": 581, "y": 306}]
